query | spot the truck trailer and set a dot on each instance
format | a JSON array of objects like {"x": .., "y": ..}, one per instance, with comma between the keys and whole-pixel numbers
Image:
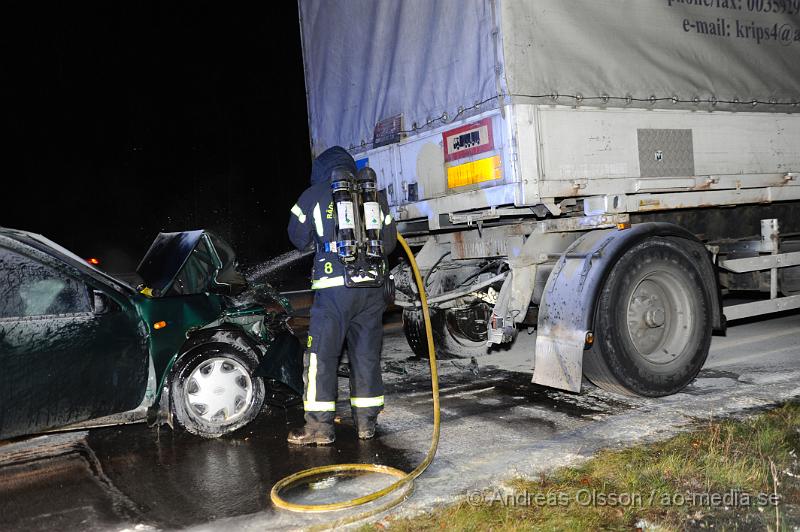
[{"x": 622, "y": 177}]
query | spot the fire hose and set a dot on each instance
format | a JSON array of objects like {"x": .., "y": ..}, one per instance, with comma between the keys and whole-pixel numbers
[{"x": 405, "y": 485}]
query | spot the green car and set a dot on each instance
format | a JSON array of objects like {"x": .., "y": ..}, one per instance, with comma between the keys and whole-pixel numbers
[{"x": 192, "y": 345}]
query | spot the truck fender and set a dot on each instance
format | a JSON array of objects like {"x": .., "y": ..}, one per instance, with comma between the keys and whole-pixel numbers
[{"x": 569, "y": 301}]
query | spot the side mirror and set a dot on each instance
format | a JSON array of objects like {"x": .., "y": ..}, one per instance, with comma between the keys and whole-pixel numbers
[{"x": 101, "y": 302}]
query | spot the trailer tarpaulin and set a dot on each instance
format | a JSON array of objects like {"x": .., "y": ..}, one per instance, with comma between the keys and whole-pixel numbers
[
  {"x": 368, "y": 60},
  {"x": 706, "y": 50}
]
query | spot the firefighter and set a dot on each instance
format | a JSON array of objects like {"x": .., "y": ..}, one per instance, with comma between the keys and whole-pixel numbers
[{"x": 339, "y": 313}]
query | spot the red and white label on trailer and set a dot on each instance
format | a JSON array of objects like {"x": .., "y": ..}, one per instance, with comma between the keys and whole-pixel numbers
[{"x": 467, "y": 140}]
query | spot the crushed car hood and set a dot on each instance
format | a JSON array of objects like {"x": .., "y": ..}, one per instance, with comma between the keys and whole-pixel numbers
[{"x": 190, "y": 262}]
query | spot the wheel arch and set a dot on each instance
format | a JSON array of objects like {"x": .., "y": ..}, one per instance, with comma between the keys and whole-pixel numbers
[
  {"x": 571, "y": 296},
  {"x": 227, "y": 334},
  {"x": 221, "y": 336}
]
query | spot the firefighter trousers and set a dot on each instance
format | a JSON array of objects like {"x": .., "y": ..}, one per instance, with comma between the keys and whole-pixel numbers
[{"x": 340, "y": 314}]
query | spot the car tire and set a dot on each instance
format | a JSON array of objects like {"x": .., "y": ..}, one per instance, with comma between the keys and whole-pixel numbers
[
  {"x": 213, "y": 390},
  {"x": 652, "y": 327}
]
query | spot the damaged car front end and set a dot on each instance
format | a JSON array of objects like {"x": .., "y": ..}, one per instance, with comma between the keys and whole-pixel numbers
[{"x": 192, "y": 345}]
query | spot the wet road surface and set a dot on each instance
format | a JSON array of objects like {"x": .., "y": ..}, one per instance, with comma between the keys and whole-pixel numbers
[
  {"x": 137, "y": 474},
  {"x": 495, "y": 424},
  {"x": 116, "y": 477}
]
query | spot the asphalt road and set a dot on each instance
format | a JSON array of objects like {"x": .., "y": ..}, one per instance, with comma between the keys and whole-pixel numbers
[{"x": 495, "y": 425}]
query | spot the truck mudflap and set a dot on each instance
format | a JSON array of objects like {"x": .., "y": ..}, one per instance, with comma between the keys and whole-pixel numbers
[{"x": 567, "y": 310}]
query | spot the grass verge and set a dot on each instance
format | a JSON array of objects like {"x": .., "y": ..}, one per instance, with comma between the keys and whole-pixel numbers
[{"x": 725, "y": 475}]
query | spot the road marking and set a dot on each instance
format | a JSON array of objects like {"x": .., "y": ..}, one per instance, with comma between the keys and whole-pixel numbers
[
  {"x": 461, "y": 394},
  {"x": 445, "y": 390}
]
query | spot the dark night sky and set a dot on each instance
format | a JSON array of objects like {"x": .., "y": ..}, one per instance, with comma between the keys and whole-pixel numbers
[{"x": 130, "y": 118}]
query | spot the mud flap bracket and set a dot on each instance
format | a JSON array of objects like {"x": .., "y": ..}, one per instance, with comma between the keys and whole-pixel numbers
[{"x": 517, "y": 291}]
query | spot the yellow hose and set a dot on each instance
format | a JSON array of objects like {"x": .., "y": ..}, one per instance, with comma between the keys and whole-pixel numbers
[{"x": 406, "y": 479}]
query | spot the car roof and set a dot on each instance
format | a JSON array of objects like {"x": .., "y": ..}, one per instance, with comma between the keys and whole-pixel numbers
[{"x": 49, "y": 247}]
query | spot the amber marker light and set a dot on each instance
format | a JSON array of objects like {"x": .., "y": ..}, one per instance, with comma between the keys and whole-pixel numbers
[
  {"x": 93, "y": 261},
  {"x": 623, "y": 225},
  {"x": 589, "y": 338},
  {"x": 159, "y": 325}
]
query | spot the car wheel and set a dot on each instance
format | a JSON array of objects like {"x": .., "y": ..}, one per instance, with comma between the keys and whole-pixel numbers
[
  {"x": 213, "y": 391},
  {"x": 653, "y": 322}
]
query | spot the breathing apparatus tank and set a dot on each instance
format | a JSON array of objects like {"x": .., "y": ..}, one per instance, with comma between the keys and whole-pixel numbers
[
  {"x": 342, "y": 187},
  {"x": 358, "y": 221},
  {"x": 368, "y": 186}
]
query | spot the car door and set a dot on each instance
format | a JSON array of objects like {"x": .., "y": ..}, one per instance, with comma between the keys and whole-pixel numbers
[{"x": 69, "y": 351}]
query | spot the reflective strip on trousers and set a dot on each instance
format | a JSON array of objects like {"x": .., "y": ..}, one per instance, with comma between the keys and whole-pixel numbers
[
  {"x": 319, "y": 406},
  {"x": 366, "y": 402},
  {"x": 311, "y": 404},
  {"x": 297, "y": 211},
  {"x": 318, "y": 219},
  {"x": 311, "y": 389},
  {"x": 327, "y": 282}
]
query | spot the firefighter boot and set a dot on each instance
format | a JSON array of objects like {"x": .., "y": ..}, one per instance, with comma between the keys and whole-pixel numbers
[
  {"x": 312, "y": 434},
  {"x": 365, "y": 425}
]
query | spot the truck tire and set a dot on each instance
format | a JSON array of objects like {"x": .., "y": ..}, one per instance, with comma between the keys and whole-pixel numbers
[
  {"x": 414, "y": 329},
  {"x": 213, "y": 390},
  {"x": 465, "y": 330},
  {"x": 449, "y": 337},
  {"x": 652, "y": 324}
]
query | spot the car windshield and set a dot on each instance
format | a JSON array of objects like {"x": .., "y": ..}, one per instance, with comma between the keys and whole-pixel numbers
[{"x": 64, "y": 252}]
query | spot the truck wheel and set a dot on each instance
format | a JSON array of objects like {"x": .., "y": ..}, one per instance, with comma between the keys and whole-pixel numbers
[
  {"x": 466, "y": 330},
  {"x": 456, "y": 333},
  {"x": 652, "y": 323},
  {"x": 414, "y": 329},
  {"x": 213, "y": 391}
]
